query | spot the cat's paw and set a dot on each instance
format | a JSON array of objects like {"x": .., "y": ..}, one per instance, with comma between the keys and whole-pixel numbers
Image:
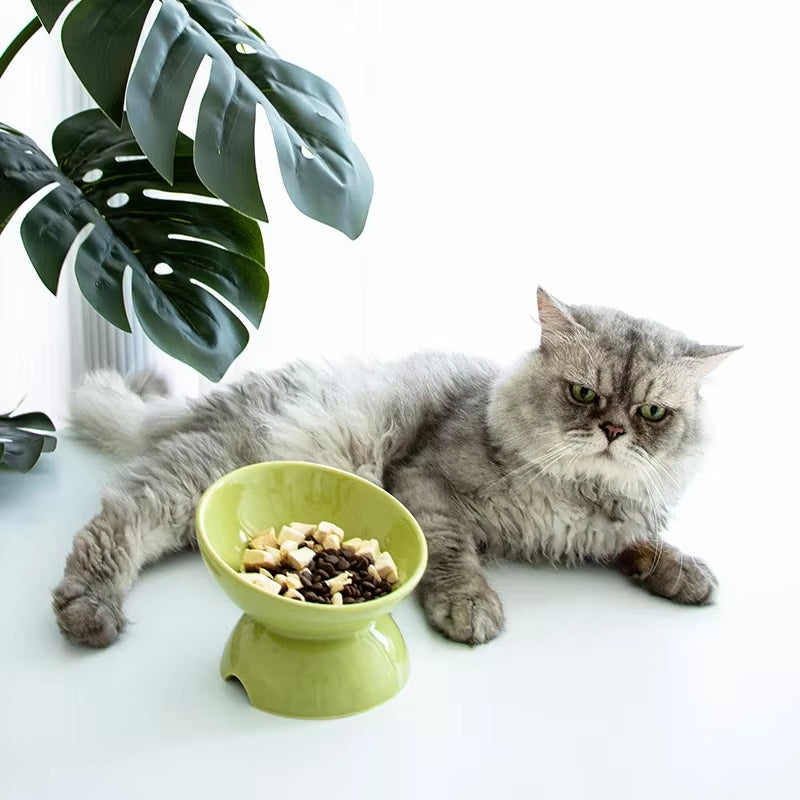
[
  {"x": 469, "y": 612},
  {"x": 83, "y": 616},
  {"x": 682, "y": 579}
]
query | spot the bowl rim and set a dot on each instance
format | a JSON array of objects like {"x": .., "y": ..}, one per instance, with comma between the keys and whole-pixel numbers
[{"x": 356, "y": 609}]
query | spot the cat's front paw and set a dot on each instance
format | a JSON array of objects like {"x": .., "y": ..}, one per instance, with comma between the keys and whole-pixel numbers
[
  {"x": 682, "y": 579},
  {"x": 469, "y": 612},
  {"x": 83, "y": 616},
  {"x": 685, "y": 579}
]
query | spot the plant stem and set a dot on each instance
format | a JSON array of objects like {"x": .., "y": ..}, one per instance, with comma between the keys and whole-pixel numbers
[{"x": 18, "y": 43}]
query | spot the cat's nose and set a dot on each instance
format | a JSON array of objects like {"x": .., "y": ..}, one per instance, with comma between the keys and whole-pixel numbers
[{"x": 611, "y": 430}]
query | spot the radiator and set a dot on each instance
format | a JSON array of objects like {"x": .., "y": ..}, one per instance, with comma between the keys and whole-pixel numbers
[{"x": 95, "y": 343}]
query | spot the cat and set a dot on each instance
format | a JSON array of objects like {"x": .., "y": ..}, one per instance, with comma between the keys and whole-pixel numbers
[{"x": 576, "y": 454}]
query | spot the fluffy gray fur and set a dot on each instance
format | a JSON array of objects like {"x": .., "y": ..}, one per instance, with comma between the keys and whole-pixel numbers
[{"x": 491, "y": 463}]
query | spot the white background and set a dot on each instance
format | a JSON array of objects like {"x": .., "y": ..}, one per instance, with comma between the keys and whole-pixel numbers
[{"x": 638, "y": 154}]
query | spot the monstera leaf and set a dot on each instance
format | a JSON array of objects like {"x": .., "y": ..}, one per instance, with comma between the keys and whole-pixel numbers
[
  {"x": 324, "y": 173},
  {"x": 182, "y": 251},
  {"x": 21, "y": 442}
]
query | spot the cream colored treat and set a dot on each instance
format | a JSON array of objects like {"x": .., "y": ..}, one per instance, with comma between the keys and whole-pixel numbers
[
  {"x": 338, "y": 582},
  {"x": 289, "y": 534},
  {"x": 386, "y": 567},
  {"x": 373, "y": 573},
  {"x": 288, "y": 546},
  {"x": 332, "y": 542},
  {"x": 293, "y": 581},
  {"x": 325, "y": 529},
  {"x": 281, "y": 579},
  {"x": 369, "y": 548},
  {"x": 273, "y": 558},
  {"x": 301, "y": 558},
  {"x": 265, "y": 584},
  {"x": 264, "y": 540},
  {"x": 253, "y": 560},
  {"x": 304, "y": 527},
  {"x": 293, "y": 594},
  {"x": 353, "y": 544},
  {"x": 328, "y": 527},
  {"x": 336, "y": 599},
  {"x": 266, "y": 573}
]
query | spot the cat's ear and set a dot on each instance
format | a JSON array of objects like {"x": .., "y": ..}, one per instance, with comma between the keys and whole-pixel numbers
[
  {"x": 557, "y": 322},
  {"x": 704, "y": 359}
]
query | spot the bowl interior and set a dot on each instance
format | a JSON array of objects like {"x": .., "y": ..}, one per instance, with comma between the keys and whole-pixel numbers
[{"x": 248, "y": 500}]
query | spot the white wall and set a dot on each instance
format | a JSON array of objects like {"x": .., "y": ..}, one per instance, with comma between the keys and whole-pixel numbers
[
  {"x": 637, "y": 154},
  {"x": 632, "y": 153}
]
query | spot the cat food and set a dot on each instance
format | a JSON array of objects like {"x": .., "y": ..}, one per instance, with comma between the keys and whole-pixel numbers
[{"x": 316, "y": 564}]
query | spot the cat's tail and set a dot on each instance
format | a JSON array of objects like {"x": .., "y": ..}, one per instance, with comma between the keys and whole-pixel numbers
[{"x": 122, "y": 415}]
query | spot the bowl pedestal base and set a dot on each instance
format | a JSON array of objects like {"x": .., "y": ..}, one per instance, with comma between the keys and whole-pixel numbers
[{"x": 315, "y": 679}]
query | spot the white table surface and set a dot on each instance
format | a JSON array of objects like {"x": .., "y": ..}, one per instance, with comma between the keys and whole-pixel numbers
[{"x": 595, "y": 690}]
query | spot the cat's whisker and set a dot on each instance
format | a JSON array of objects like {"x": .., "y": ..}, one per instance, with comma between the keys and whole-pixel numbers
[
  {"x": 555, "y": 450},
  {"x": 547, "y": 463},
  {"x": 650, "y": 513},
  {"x": 680, "y": 575},
  {"x": 572, "y": 461},
  {"x": 651, "y": 478},
  {"x": 694, "y": 561},
  {"x": 651, "y": 473},
  {"x": 528, "y": 465},
  {"x": 656, "y": 559},
  {"x": 655, "y": 496},
  {"x": 663, "y": 471},
  {"x": 659, "y": 469}
]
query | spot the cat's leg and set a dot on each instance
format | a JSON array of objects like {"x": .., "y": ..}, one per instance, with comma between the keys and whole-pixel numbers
[
  {"x": 147, "y": 512},
  {"x": 455, "y": 594},
  {"x": 664, "y": 570}
]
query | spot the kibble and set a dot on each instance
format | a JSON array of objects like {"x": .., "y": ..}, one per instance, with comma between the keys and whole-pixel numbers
[{"x": 315, "y": 564}]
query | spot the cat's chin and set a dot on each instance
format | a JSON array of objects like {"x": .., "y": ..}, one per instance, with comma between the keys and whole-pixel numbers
[{"x": 607, "y": 466}]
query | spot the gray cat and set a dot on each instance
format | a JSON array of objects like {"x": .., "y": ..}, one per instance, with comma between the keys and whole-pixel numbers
[{"x": 576, "y": 454}]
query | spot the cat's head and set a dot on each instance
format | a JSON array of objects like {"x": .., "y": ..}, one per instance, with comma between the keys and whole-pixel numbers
[{"x": 608, "y": 397}]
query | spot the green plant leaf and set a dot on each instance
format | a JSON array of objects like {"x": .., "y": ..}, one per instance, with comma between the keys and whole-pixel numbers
[
  {"x": 174, "y": 247},
  {"x": 49, "y": 11},
  {"x": 325, "y": 174},
  {"x": 21, "y": 440}
]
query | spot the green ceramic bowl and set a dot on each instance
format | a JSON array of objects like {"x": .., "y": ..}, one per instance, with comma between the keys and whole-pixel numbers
[{"x": 305, "y": 659}]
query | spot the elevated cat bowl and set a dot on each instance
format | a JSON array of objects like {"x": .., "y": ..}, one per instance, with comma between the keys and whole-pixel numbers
[{"x": 305, "y": 659}]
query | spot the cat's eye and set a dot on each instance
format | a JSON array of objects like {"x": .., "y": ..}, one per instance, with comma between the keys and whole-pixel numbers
[
  {"x": 653, "y": 413},
  {"x": 583, "y": 394}
]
